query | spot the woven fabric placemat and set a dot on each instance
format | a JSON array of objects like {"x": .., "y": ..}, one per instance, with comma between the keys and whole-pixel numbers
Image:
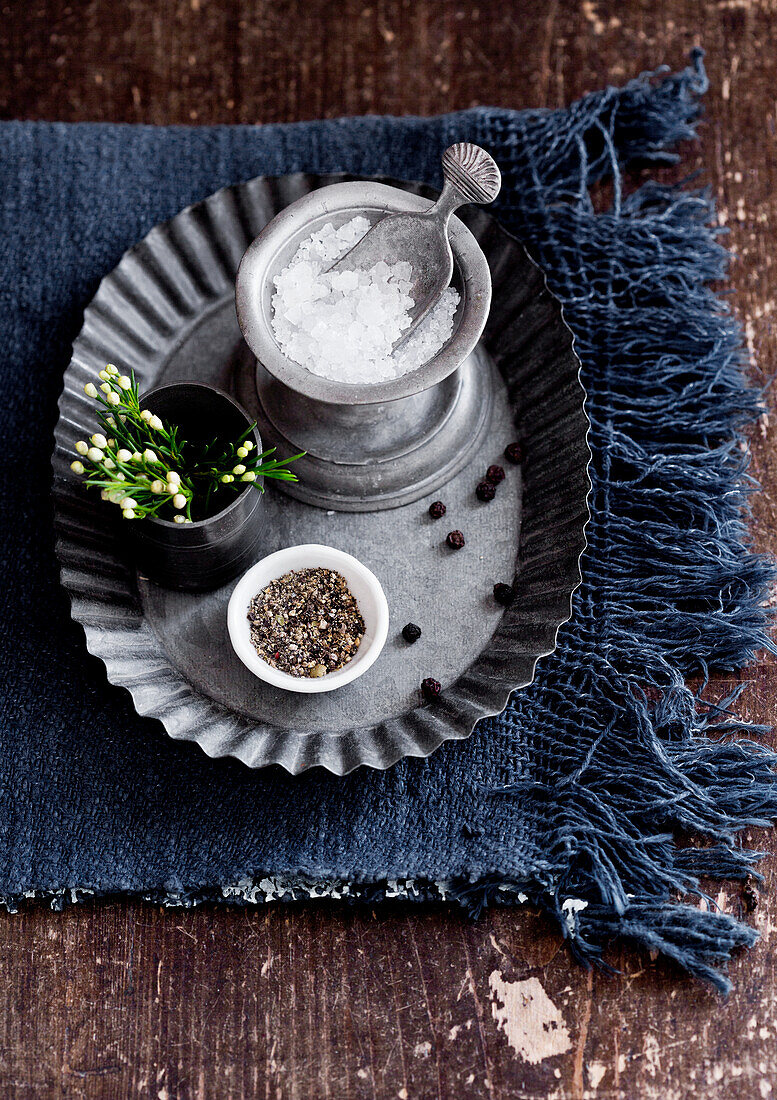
[{"x": 571, "y": 798}]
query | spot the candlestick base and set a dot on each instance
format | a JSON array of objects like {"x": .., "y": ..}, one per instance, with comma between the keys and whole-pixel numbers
[{"x": 364, "y": 458}]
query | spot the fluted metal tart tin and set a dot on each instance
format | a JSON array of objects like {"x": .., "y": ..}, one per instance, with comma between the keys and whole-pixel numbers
[{"x": 168, "y": 313}]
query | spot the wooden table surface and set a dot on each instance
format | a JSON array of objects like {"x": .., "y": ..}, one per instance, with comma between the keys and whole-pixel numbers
[{"x": 126, "y": 1000}]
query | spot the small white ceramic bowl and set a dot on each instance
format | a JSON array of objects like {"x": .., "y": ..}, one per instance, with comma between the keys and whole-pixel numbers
[{"x": 364, "y": 585}]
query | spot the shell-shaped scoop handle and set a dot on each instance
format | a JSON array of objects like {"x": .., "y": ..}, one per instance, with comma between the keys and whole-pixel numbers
[{"x": 472, "y": 172}]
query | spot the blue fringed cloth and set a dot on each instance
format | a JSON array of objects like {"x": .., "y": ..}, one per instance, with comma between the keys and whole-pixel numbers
[{"x": 572, "y": 797}]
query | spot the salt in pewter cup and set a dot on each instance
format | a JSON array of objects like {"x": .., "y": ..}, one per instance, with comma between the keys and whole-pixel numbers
[
  {"x": 207, "y": 553},
  {"x": 380, "y": 445}
]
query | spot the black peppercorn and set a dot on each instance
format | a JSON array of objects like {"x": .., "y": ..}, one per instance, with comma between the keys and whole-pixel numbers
[
  {"x": 504, "y": 594},
  {"x": 514, "y": 453},
  {"x": 437, "y": 509},
  {"x": 495, "y": 474},
  {"x": 455, "y": 540},
  {"x": 430, "y": 689},
  {"x": 485, "y": 491},
  {"x": 411, "y": 633}
]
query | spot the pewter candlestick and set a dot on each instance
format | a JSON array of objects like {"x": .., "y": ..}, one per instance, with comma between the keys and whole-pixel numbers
[{"x": 374, "y": 445}]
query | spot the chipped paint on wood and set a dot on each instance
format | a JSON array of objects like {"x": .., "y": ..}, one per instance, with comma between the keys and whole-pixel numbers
[
  {"x": 596, "y": 1072},
  {"x": 532, "y": 1024}
]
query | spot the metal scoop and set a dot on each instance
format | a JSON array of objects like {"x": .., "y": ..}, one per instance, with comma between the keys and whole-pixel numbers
[{"x": 471, "y": 175}]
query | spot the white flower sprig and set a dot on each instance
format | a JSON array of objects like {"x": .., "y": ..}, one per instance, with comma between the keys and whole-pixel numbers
[{"x": 139, "y": 463}]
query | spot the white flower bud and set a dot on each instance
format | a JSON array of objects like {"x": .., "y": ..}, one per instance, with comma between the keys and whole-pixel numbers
[
  {"x": 128, "y": 513},
  {"x": 104, "y": 375},
  {"x": 113, "y": 399},
  {"x": 179, "y": 519},
  {"x": 150, "y": 456},
  {"x": 90, "y": 389},
  {"x": 124, "y": 455},
  {"x": 94, "y": 454},
  {"x": 128, "y": 502},
  {"x": 111, "y": 421},
  {"x": 249, "y": 476},
  {"x": 111, "y": 442},
  {"x": 239, "y": 469},
  {"x": 124, "y": 382},
  {"x": 249, "y": 444},
  {"x": 145, "y": 414},
  {"x": 77, "y": 467},
  {"x": 99, "y": 440},
  {"x": 116, "y": 497},
  {"x": 242, "y": 452},
  {"x": 173, "y": 478},
  {"x": 81, "y": 447},
  {"x": 108, "y": 463},
  {"x": 104, "y": 494},
  {"x": 136, "y": 456},
  {"x": 179, "y": 501},
  {"x": 111, "y": 369},
  {"x": 158, "y": 487},
  {"x": 226, "y": 479},
  {"x": 156, "y": 423},
  {"x": 106, "y": 387},
  {"x": 119, "y": 476}
]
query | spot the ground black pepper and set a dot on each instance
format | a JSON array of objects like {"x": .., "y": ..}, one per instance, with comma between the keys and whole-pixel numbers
[{"x": 306, "y": 623}]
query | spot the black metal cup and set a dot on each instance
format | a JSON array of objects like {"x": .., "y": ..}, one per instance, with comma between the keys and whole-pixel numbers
[{"x": 206, "y": 553}]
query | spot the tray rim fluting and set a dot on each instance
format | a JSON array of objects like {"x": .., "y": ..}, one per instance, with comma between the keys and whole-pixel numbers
[{"x": 532, "y": 345}]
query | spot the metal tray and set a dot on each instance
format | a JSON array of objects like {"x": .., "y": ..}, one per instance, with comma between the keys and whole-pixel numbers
[{"x": 167, "y": 312}]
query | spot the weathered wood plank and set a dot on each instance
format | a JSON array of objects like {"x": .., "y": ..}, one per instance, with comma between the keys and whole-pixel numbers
[{"x": 125, "y": 1000}]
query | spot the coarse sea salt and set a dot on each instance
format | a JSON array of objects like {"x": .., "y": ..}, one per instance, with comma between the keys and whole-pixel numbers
[{"x": 342, "y": 324}]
